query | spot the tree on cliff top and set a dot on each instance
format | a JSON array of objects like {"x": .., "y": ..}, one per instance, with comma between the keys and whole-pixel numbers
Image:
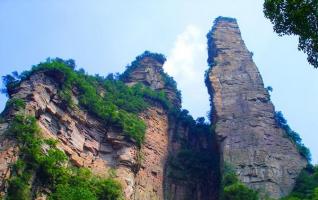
[{"x": 296, "y": 17}]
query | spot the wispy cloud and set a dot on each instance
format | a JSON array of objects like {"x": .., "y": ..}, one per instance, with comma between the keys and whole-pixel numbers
[{"x": 186, "y": 62}]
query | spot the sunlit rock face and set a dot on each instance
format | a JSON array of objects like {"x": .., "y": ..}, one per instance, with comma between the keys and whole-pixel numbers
[
  {"x": 244, "y": 133},
  {"x": 243, "y": 115},
  {"x": 150, "y": 73},
  {"x": 89, "y": 142}
]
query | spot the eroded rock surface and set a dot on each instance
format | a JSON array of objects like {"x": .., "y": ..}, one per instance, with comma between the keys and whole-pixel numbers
[
  {"x": 150, "y": 73},
  {"x": 153, "y": 155},
  {"x": 88, "y": 142},
  {"x": 249, "y": 139}
]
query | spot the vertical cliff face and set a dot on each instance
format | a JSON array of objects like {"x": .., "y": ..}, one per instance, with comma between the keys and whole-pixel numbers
[
  {"x": 90, "y": 142},
  {"x": 83, "y": 137},
  {"x": 179, "y": 162},
  {"x": 192, "y": 171},
  {"x": 180, "y": 158},
  {"x": 148, "y": 70},
  {"x": 154, "y": 152},
  {"x": 249, "y": 139}
]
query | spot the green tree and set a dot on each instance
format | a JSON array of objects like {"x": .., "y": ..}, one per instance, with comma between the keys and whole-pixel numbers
[
  {"x": 296, "y": 17},
  {"x": 233, "y": 188},
  {"x": 238, "y": 191},
  {"x": 306, "y": 186}
]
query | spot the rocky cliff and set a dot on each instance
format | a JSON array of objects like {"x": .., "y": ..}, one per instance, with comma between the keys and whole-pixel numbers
[
  {"x": 83, "y": 137},
  {"x": 132, "y": 127},
  {"x": 161, "y": 175},
  {"x": 149, "y": 179},
  {"x": 91, "y": 142},
  {"x": 248, "y": 136}
]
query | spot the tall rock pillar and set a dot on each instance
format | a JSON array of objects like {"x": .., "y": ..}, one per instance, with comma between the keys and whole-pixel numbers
[{"x": 249, "y": 139}]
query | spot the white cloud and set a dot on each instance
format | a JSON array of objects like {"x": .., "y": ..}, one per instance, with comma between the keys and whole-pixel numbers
[{"x": 186, "y": 62}]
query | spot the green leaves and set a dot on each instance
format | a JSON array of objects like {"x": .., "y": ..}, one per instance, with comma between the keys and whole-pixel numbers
[
  {"x": 296, "y": 17},
  {"x": 233, "y": 189},
  {"x": 107, "y": 98},
  {"x": 292, "y": 135},
  {"x": 238, "y": 191},
  {"x": 306, "y": 187},
  {"x": 49, "y": 167},
  {"x": 81, "y": 184}
]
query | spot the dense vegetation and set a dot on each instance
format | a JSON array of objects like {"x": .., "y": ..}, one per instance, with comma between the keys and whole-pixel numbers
[
  {"x": 42, "y": 165},
  {"x": 130, "y": 68},
  {"x": 191, "y": 166},
  {"x": 118, "y": 107},
  {"x": 296, "y": 17},
  {"x": 233, "y": 189},
  {"x": 292, "y": 135},
  {"x": 306, "y": 187},
  {"x": 195, "y": 167},
  {"x": 192, "y": 163},
  {"x": 168, "y": 80}
]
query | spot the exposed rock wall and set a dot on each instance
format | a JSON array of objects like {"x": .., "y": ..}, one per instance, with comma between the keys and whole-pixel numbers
[
  {"x": 150, "y": 177},
  {"x": 168, "y": 140},
  {"x": 181, "y": 186},
  {"x": 8, "y": 156},
  {"x": 249, "y": 138},
  {"x": 88, "y": 142},
  {"x": 243, "y": 117},
  {"x": 150, "y": 73}
]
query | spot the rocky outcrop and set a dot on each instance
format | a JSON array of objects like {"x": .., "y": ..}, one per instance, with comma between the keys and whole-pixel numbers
[
  {"x": 150, "y": 73},
  {"x": 173, "y": 137},
  {"x": 249, "y": 139},
  {"x": 8, "y": 156},
  {"x": 180, "y": 158},
  {"x": 83, "y": 137},
  {"x": 90, "y": 143}
]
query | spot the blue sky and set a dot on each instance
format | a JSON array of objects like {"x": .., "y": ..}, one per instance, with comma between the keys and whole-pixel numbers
[{"x": 103, "y": 36}]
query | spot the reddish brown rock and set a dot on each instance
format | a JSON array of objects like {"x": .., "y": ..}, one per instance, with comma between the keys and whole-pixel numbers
[{"x": 150, "y": 177}]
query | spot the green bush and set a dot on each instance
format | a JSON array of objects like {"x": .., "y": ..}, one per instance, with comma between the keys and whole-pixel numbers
[
  {"x": 19, "y": 189},
  {"x": 191, "y": 166},
  {"x": 50, "y": 169},
  {"x": 119, "y": 106},
  {"x": 238, "y": 191},
  {"x": 168, "y": 80},
  {"x": 292, "y": 135},
  {"x": 81, "y": 184},
  {"x": 15, "y": 103},
  {"x": 158, "y": 57},
  {"x": 306, "y": 187},
  {"x": 233, "y": 189}
]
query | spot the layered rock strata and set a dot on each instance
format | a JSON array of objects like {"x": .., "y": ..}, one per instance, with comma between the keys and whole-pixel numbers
[
  {"x": 88, "y": 142},
  {"x": 249, "y": 138}
]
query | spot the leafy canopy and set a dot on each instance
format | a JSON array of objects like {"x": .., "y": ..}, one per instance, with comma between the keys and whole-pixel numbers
[{"x": 296, "y": 17}]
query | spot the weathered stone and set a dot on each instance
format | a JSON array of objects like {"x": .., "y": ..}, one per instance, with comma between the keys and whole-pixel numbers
[
  {"x": 149, "y": 73},
  {"x": 149, "y": 179},
  {"x": 244, "y": 119},
  {"x": 243, "y": 114}
]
